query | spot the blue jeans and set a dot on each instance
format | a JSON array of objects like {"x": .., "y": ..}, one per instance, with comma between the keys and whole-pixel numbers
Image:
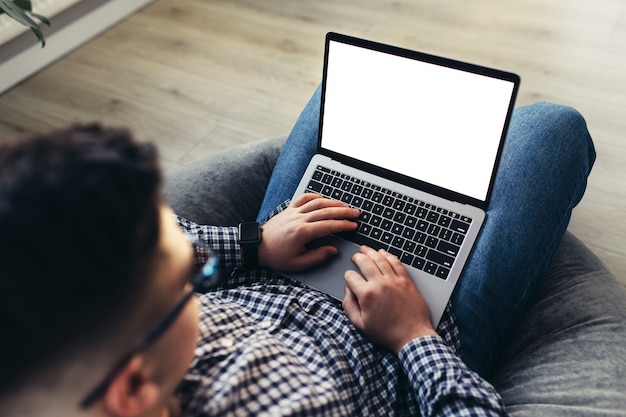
[{"x": 543, "y": 173}]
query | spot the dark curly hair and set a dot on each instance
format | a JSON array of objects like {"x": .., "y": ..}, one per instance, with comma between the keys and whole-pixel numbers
[{"x": 79, "y": 220}]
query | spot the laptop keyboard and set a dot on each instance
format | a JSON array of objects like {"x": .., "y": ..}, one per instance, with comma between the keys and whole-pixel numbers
[{"x": 420, "y": 234}]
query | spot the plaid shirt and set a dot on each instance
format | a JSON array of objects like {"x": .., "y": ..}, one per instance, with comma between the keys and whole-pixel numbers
[{"x": 270, "y": 346}]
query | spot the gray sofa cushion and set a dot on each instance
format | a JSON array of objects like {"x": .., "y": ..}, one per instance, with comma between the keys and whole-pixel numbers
[
  {"x": 226, "y": 188},
  {"x": 568, "y": 357}
]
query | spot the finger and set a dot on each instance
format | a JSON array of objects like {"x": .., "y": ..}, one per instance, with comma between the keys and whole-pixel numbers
[
  {"x": 313, "y": 257},
  {"x": 319, "y": 204},
  {"x": 355, "y": 282},
  {"x": 397, "y": 266},
  {"x": 366, "y": 265},
  {"x": 380, "y": 261},
  {"x": 352, "y": 308},
  {"x": 326, "y": 227},
  {"x": 333, "y": 213},
  {"x": 304, "y": 198}
]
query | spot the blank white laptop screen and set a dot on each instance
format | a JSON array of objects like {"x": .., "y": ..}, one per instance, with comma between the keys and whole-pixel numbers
[{"x": 436, "y": 124}]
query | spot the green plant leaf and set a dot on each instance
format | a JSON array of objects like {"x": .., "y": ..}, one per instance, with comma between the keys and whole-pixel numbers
[
  {"x": 24, "y": 4},
  {"x": 15, "y": 10},
  {"x": 41, "y": 18}
]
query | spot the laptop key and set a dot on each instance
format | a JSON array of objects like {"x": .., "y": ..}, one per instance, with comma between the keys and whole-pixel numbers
[
  {"x": 363, "y": 240},
  {"x": 410, "y": 209},
  {"x": 432, "y": 242},
  {"x": 376, "y": 233},
  {"x": 434, "y": 230},
  {"x": 409, "y": 246},
  {"x": 430, "y": 268},
  {"x": 407, "y": 258},
  {"x": 457, "y": 238},
  {"x": 419, "y": 263},
  {"x": 422, "y": 226},
  {"x": 421, "y": 251},
  {"x": 399, "y": 204},
  {"x": 364, "y": 229},
  {"x": 317, "y": 175},
  {"x": 444, "y": 221},
  {"x": 410, "y": 221},
  {"x": 420, "y": 237},
  {"x": 399, "y": 217},
  {"x": 357, "y": 202},
  {"x": 397, "y": 242},
  {"x": 459, "y": 226},
  {"x": 442, "y": 272},
  {"x": 397, "y": 229},
  {"x": 365, "y": 216},
  {"x": 432, "y": 217},
  {"x": 315, "y": 186},
  {"x": 440, "y": 258},
  {"x": 408, "y": 233},
  {"x": 448, "y": 248},
  {"x": 445, "y": 234}
]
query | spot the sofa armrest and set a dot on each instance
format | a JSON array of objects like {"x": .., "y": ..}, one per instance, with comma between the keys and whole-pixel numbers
[{"x": 225, "y": 188}]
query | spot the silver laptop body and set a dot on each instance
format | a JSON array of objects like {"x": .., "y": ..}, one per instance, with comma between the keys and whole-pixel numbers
[{"x": 422, "y": 136}]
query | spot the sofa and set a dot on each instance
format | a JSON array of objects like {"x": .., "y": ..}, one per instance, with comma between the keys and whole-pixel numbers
[{"x": 568, "y": 357}]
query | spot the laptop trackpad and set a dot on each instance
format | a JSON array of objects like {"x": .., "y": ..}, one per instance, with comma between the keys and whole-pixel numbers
[{"x": 328, "y": 277}]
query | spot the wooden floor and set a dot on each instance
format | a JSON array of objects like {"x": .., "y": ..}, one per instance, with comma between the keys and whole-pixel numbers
[{"x": 197, "y": 76}]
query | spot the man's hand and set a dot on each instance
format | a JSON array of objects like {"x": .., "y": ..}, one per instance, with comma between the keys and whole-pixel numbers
[
  {"x": 309, "y": 217},
  {"x": 383, "y": 303}
]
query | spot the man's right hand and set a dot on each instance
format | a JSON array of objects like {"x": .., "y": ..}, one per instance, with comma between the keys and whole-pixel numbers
[
  {"x": 310, "y": 216},
  {"x": 382, "y": 301}
]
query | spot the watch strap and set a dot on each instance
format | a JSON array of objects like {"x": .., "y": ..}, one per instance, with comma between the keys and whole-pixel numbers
[{"x": 249, "y": 239}]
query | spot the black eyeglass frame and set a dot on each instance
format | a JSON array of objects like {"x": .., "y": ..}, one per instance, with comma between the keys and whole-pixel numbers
[{"x": 206, "y": 278}]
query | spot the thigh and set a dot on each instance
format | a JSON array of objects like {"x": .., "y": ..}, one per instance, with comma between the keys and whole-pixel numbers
[
  {"x": 300, "y": 147},
  {"x": 542, "y": 176}
]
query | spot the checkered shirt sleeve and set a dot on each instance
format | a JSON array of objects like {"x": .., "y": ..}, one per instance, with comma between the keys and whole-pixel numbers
[{"x": 444, "y": 385}]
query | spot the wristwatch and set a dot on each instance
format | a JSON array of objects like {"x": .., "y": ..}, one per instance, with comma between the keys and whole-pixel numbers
[{"x": 249, "y": 239}]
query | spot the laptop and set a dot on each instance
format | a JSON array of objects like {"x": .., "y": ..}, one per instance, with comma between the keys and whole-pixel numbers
[{"x": 414, "y": 141}]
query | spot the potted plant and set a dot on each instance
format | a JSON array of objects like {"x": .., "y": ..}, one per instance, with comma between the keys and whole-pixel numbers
[{"x": 21, "y": 11}]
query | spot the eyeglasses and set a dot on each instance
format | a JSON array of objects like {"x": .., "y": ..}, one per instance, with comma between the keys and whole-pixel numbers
[{"x": 206, "y": 276}]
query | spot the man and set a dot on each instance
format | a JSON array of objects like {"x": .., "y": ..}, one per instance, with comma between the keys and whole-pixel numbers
[
  {"x": 269, "y": 347},
  {"x": 96, "y": 293}
]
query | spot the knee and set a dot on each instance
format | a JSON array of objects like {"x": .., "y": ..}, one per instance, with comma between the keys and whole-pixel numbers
[
  {"x": 558, "y": 126},
  {"x": 554, "y": 117}
]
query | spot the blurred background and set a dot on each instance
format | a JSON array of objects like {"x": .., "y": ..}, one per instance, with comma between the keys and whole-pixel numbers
[{"x": 198, "y": 76}]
